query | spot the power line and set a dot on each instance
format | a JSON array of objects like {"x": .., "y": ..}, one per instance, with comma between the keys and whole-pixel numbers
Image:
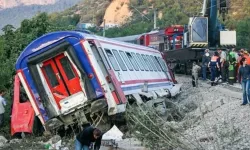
[{"x": 140, "y": 13}]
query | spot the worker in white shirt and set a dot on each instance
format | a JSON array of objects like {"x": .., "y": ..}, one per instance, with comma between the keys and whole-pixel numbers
[
  {"x": 195, "y": 74},
  {"x": 223, "y": 65},
  {"x": 2, "y": 105}
]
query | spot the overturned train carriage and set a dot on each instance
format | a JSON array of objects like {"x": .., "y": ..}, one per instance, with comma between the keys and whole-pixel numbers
[{"x": 73, "y": 78}]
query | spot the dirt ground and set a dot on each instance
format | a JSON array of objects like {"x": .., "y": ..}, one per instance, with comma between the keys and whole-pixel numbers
[{"x": 218, "y": 122}]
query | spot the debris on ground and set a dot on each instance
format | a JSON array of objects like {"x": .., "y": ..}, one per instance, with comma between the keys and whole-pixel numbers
[
  {"x": 209, "y": 118},
  {"x": 113, "y": 134},
  {"x": 3, "y": 140},
  {"x": 54, "y": 143}
]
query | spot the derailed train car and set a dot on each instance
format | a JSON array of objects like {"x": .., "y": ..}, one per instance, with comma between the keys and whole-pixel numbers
[{"x": 74, "y": 78}]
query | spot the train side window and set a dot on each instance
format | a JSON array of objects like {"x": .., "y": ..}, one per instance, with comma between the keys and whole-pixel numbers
[
  {"x": 51, "y": 75},
  {"x": 162, "y": 64},
  {"x": 141, "y": 41},
  {"x": 105, "y": 60},
  {"x": 125, "y": 58},
  {"x": 95, "y": 49},
  {"x": 142, "y": 62},
  {"x": 119, "y": 60},
  {"x": 132, "y": 60},
  {"x": 138, "y": 61},
  {"x": 112, "y": 59},
  {"x": 156, "y": 63},
  {"x": 152, "y": 63},
  {"x": 147, "y": 62},
  {"x": 159, "y": 63}
]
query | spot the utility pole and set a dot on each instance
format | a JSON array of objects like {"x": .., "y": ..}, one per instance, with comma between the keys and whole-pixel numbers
[
  {"x": 104, "y": 26},
  {"x": 155, "y": 18}
]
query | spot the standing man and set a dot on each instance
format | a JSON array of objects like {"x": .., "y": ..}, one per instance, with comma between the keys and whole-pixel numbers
[
  {"x": 224, "y": 65},
  {"x": 195, "y": 74},
  {"x": 2, "y": 110},
  {"x": 232, "y": 65},
  {"x": 214, "y": 65},
  {"x": 205, "y": 60},
  {"x": 244, "y": 79},
  {"x": 88, "y": 136}
]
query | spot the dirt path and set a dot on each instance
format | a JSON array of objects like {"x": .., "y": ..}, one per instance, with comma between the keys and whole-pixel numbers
[{"x": 219, "y": 122}]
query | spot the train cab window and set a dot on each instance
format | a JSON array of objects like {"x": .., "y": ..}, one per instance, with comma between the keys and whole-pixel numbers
[
  {"x": 138, "y": 61},
  {"x": 112, "y": 60},
  {"x": 156, "y": 63},
  {"x": 142, "y": 62},
  {"x": 126, "y": 60},
  {"x": 51, "y": 75},
  {"x": 119, "y": 60},
  {"x": 152, "y": 63},
  {"x": 133, "y": 61},
  {"x": 147, "y": 62},
  {"x": 67, "y": 68},
  {"x": 23, "y": 96}
]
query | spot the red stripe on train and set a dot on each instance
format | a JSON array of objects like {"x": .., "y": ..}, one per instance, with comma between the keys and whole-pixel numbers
[{"x": 142, "y": 81}]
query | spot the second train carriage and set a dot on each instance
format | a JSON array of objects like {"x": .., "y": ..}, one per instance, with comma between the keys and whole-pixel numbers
[{"x": 72, "y": 77}]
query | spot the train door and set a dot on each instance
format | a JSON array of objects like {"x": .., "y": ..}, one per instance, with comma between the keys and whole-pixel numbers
[{"x": 61, "y": 77}]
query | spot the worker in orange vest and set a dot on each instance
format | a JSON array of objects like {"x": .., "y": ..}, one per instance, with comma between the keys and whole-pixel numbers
[
  {"x": 214, "y": 67},
  {"x": 245, "y": 54}
]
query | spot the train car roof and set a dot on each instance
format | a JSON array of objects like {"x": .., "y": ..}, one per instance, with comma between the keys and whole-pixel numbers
[
  {"x": 128, "y": 38},
  {"x": 125, "y": 44},
  {"x": 49, "y": 39}
]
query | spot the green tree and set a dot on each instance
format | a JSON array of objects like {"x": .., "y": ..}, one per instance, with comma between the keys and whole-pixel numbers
[{"x": 243, "y": 33}]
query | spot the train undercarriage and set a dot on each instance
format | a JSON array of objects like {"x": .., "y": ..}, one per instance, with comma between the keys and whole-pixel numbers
[{"x": 180, "y": 60}]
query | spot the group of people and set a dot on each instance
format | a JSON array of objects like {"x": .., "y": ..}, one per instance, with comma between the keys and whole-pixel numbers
[
  {"x": 222, "y": 65},
  {"x": 228, "y": 66}
]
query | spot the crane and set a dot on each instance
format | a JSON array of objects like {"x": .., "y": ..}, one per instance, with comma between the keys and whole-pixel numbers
[{"x": 202, "y": 32}]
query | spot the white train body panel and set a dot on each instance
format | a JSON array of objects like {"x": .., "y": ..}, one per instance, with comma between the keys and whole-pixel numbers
[{"x": 134, "y": 81}]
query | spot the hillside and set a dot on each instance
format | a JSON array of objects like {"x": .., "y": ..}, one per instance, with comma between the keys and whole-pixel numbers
[
  {"x": 15, "y": 15},
  {"x": 117, "y": 12},
  {"x": 90, "y": 10},
  {"x": 169, "y": 11}
]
